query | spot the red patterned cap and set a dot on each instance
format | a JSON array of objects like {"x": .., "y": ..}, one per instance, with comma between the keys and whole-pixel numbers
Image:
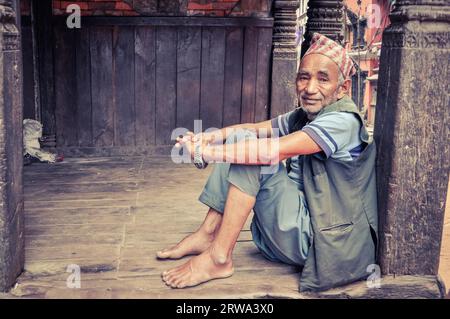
[{"x": 320, "y": 44}]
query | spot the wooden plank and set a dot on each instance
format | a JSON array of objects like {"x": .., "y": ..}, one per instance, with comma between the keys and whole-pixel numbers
[
  {"x": 263, "y": 74},
  {"x": 28, "y": 74},
  {"x": 81, "y": 189},
  {"x": 166, "y": 79},
  {"x": 44, "y": 41},
  {"x": 172, "y": 21},
  {"x": 78, "y": 203},
  {"x": 188, "y": 76},
  {"x": 123, "y": 56},
  {"x": 51, "y": 230},
  {"x": 145, "y": 85},
  {"x": 65, "y": 87},
  {"x": 280, "y": 286},
  {"x": 73, "y": 250},
  {"x": 83, "y": 85},
  {"x": 102, "y": 85},
  {"x": 233, "y": 76},
  {"x": 212, "y": 77},
  {"x": 249, "y": 75},
  {"x": 391, "y": 287}
]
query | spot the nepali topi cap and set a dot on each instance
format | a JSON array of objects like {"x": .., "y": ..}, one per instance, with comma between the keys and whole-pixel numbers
[{"x": 320, "y": 44}]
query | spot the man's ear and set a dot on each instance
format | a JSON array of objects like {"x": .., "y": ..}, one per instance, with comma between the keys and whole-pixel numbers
[{"x": 345, "y": 88}]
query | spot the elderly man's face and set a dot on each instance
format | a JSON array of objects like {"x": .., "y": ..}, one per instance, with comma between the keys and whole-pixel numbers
[{"x": 318, "y": 83}]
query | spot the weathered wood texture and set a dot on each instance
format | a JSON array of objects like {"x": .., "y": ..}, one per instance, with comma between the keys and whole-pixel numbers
[
  {"x": 42, "y": 12},
  {"x": 29, "y": 111},
  {"x": 326, "y": 18},
  {"x": 412, "y": 131},
  {"x": 111, "y": 215},
  {"x": 11, "y": 105},
  {"x": 123, "y": 84},
  {"x": 444, "y": 260},
  {"x": 285, "y": 58}
]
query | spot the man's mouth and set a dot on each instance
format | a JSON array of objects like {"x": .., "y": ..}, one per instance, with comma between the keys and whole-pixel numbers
[{"x": 309, "y": 100}]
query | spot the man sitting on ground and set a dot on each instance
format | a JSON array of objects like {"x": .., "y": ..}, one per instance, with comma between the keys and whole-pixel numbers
[{"x": 318, "y": 212}]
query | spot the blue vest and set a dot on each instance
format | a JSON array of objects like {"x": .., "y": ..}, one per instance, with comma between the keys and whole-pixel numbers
[{"x": 341, "y": 197}]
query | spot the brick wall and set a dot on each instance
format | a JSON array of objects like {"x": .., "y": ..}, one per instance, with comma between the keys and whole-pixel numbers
[
  {"x": 97, "y": 7},
  {"x": 229, "y": 7},
  {"x": 214, "y": 8}
]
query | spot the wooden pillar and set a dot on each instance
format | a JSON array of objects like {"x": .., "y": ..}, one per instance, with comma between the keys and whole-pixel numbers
[
  {"x": 284, "y": 63},
  {"x": 411, "y": 132},
  {"x": 325, "y": 17},
  {"x": 11, "y": 200},
  {"x": 42, "y": 25}
]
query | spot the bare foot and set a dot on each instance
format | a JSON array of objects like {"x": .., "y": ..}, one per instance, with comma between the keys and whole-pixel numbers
[
  {"x": 197, "y": 270},
  {"x": 193, "y": 244}
]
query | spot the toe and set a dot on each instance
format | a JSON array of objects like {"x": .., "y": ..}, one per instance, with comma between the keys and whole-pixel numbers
[
  {"x": 165, "y": 253},
  {"x": 172, "y": 280},
  {"x": 174, "y": 270},
  {"x": 183, "y": 281}
]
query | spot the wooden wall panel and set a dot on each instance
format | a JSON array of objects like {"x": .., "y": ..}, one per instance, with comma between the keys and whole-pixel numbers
[
  {"x": 189, "y": 52},
  {"x": 123, "y": 82},
  {"x": 166, "y": 81},
  {"x": 145, "y": 85},
  {"x": 83, "y": 87},
  {"x": 233, "y": 76},
  {"x": 262, "y": 94},
  {"x": 127, "y": 86},
  {"x": 102, "y": 86},
  {"x": 249, "y": 75},
  {"x": 65, "y": 87},
  {"x": 212, "y": 77},
  {"x": 28, "y": 74}
]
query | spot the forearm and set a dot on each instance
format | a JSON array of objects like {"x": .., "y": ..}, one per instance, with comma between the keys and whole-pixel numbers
[
  {"x": 261, "y": 129},
  {"x": 263, "y": 151}
]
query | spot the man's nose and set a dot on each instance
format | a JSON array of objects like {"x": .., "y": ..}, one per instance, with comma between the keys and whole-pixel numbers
[{"x": 311, "y": 87}]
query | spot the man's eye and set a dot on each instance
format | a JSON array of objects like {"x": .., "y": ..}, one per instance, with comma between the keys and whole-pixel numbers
[{"x": 323, "y": 80}]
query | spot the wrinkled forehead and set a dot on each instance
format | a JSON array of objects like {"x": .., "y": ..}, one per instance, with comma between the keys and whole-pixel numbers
[{"x": 318, "y": 63}]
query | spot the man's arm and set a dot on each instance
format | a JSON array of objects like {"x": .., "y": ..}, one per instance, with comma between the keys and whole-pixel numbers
[
  {"x": 263, "y": 151},
  {"x": 219, "y": 136},
  {"x": 264, "y": 127}
]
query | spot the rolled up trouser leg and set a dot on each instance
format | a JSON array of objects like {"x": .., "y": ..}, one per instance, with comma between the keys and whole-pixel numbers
[
  {"x": 281, "y": 224},
  {"x": 215, "y": 191}
]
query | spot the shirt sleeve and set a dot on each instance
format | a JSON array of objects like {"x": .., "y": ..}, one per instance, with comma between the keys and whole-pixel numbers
[
  {"x": 281, "y": 123},
  {"x": 333, "y": 131}
]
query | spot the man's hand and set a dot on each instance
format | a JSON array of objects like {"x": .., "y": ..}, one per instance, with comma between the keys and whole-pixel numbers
[
  {"x": 190, "y": 140},
  {"x": 205, "y": 137}
]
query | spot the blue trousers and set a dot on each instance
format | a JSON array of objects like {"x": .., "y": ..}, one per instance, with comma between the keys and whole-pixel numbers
[{"x": 281, "y": 227}]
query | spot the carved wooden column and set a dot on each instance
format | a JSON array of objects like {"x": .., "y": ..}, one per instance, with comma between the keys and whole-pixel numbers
[
  {"x": 11, "y": 202},
  {"x": 284, "y": 64},
  {"x": 325, "y": 17},
  {"x": 412, "y": 135}
]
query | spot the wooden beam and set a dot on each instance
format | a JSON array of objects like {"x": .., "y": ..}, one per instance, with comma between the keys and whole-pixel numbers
[
  {"x": 411, "y": 132},
  {"x": 284, "y": 58},
  {"x": 391, "y": 287},
  {"x": 11, "y": 105},
  {"x": 170, "y": 21},
  {"x": 42, "y": 15},
  {"x": 325, "y": 17}
]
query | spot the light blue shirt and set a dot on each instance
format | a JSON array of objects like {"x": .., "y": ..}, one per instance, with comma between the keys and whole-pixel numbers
[{"x": 337, "y": 134}]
